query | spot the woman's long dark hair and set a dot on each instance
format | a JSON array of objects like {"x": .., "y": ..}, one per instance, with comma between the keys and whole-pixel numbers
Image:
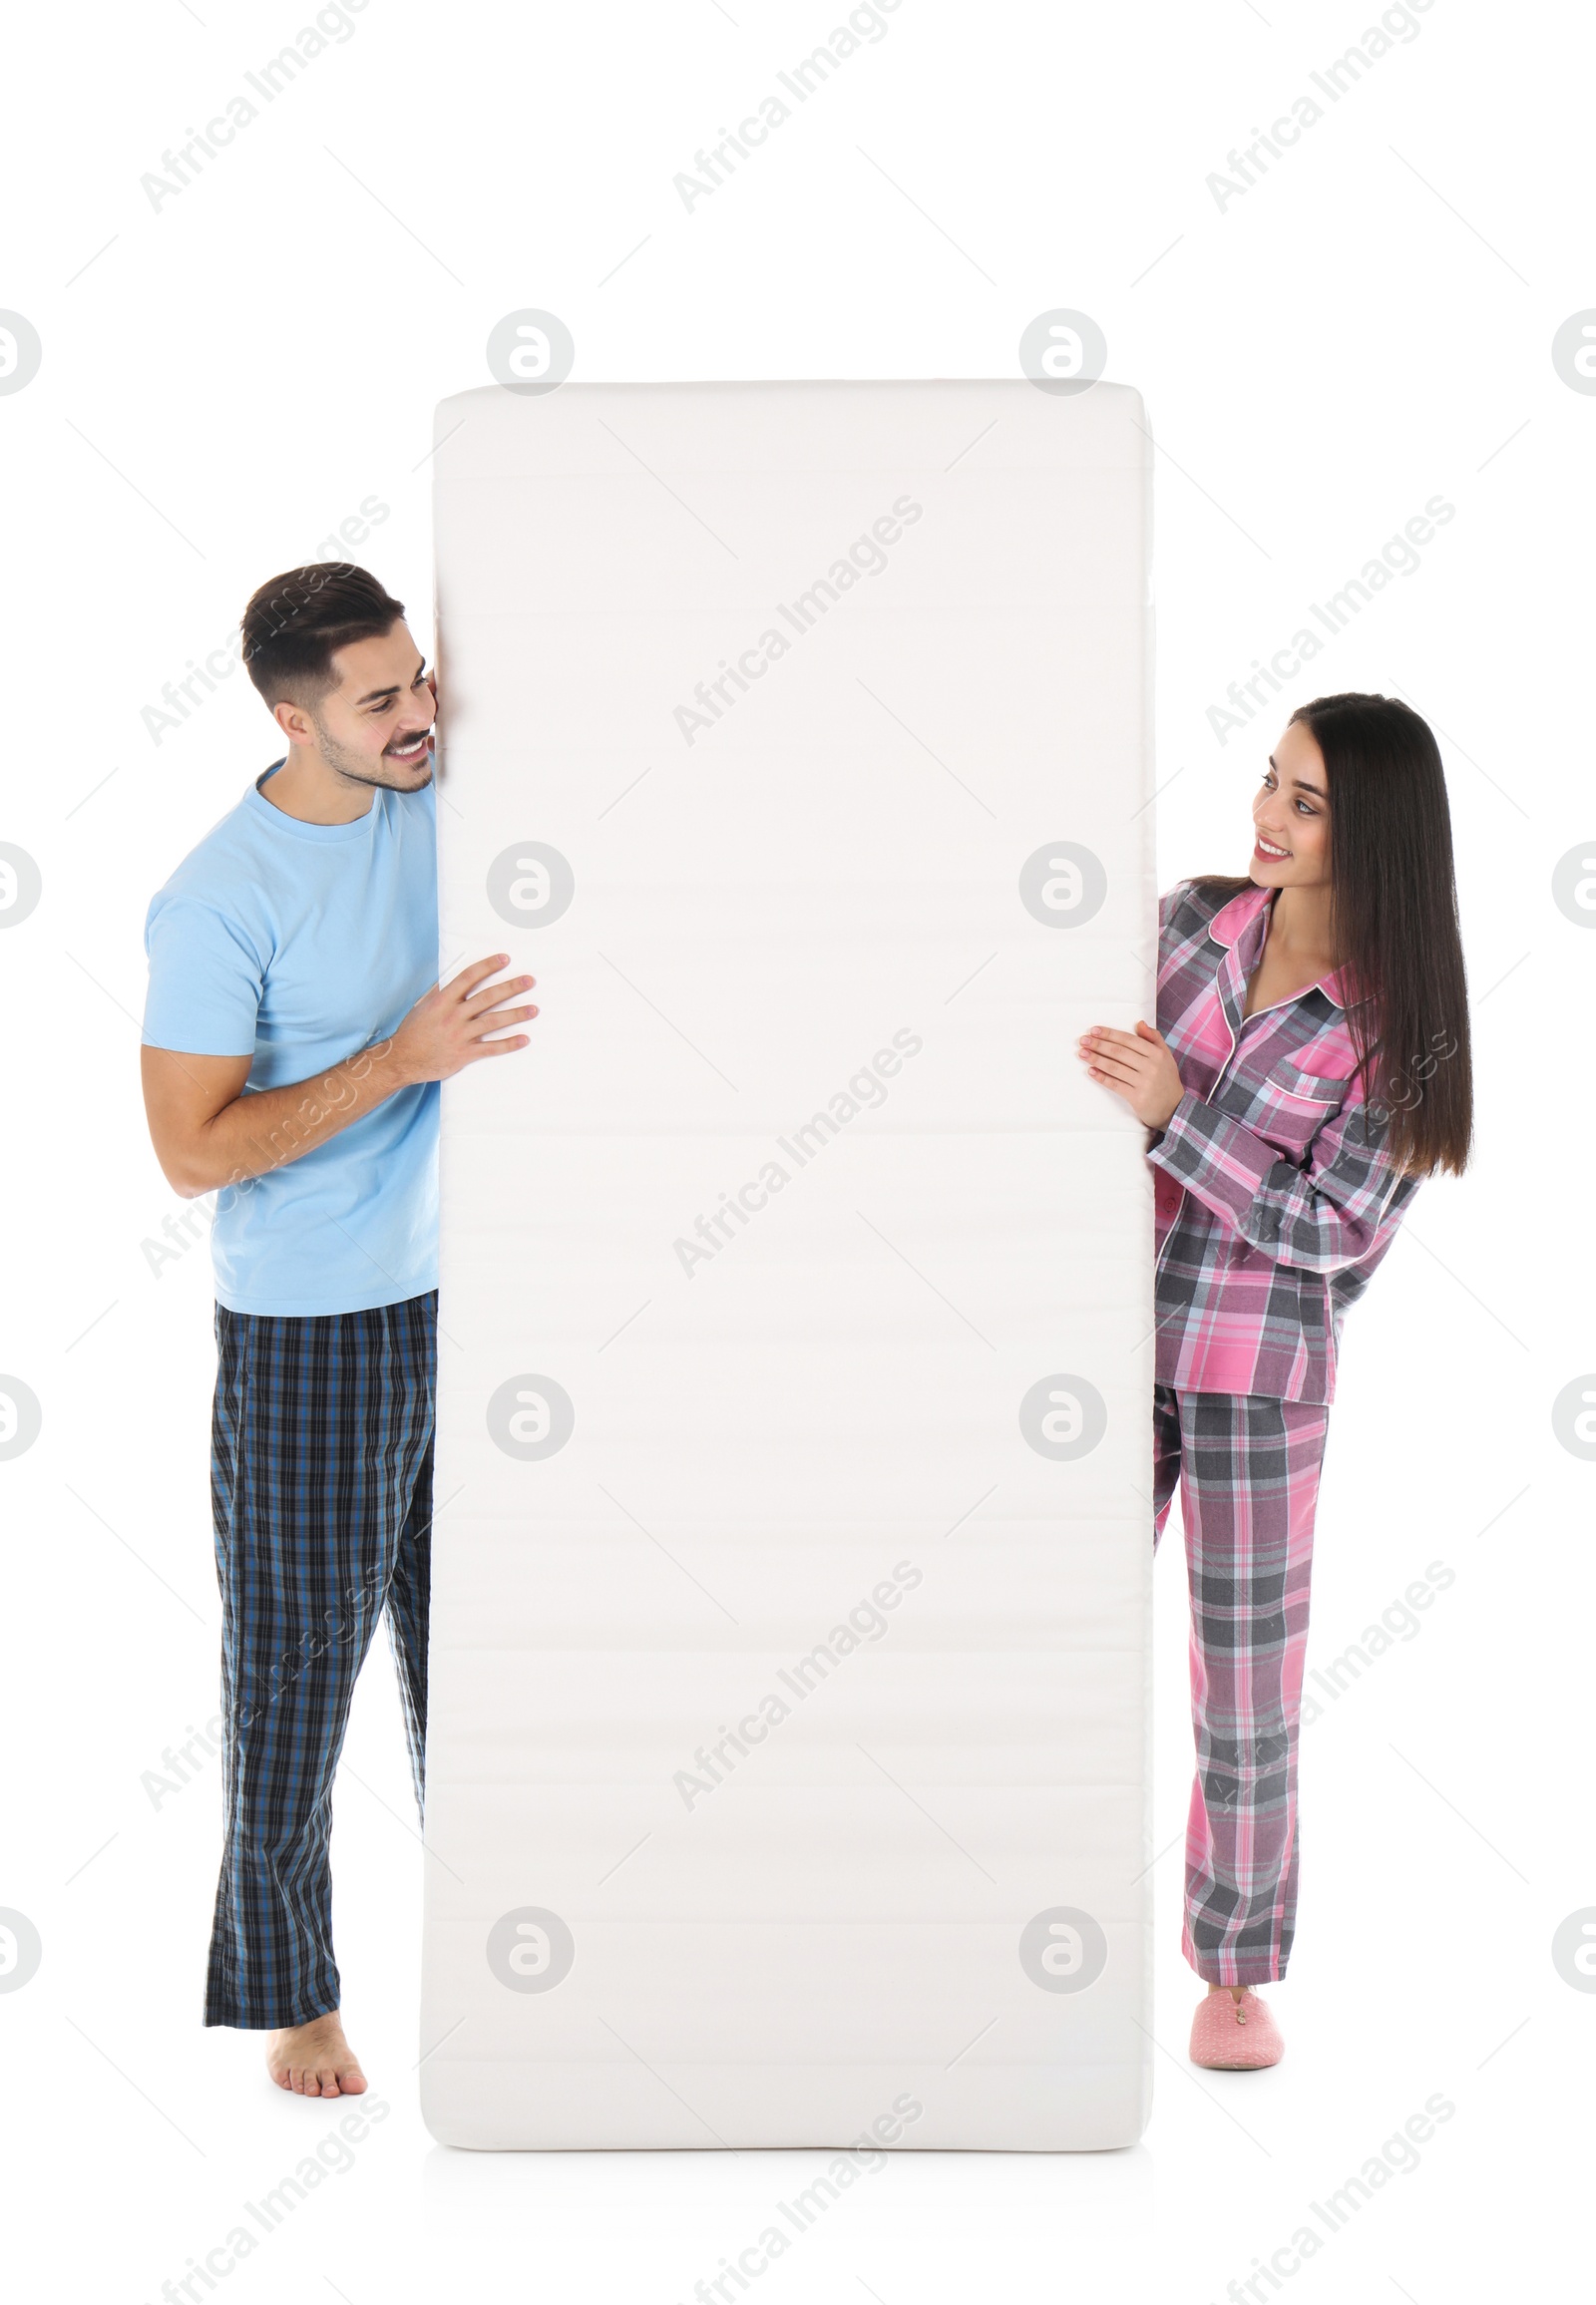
[{"x": 1393, "y": 924}]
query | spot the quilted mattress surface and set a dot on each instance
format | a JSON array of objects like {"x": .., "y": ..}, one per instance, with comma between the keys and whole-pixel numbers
[{"x": 788, "y": 1718}]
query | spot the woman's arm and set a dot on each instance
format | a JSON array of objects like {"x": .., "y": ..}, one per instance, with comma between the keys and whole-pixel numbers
[{"x": 1345, "y": 1201}]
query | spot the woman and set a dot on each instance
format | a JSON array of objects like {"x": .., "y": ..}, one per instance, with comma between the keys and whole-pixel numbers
[{"x": 1280, "y": 1177}]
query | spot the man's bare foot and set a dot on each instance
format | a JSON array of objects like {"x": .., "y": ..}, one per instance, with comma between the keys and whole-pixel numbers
[
  {"x": 315, "y": 2060},
  {"x": 1235, "y": 1991}
]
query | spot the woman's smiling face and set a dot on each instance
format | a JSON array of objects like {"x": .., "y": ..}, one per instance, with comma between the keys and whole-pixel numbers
[{"x": 1292, "y": 815}]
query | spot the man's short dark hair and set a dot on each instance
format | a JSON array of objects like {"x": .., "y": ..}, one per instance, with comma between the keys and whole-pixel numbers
[{"x": 294, "y": 624}]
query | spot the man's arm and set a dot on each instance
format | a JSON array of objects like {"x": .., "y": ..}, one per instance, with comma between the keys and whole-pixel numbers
[{"x": 207, "y": 1133}]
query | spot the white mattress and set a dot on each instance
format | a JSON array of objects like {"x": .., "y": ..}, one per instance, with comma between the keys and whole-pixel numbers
[{"x": 786, "y": 1475}]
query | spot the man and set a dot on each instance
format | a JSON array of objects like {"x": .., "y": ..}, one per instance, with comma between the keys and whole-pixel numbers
[{"x": 294, "y": 1037}]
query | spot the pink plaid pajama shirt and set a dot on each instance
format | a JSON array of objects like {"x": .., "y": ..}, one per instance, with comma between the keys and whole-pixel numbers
[{"x": 1274, "y": 1201}]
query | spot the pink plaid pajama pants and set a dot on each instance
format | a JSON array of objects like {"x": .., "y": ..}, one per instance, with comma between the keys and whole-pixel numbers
[{"x": 1247, "y": 1468}]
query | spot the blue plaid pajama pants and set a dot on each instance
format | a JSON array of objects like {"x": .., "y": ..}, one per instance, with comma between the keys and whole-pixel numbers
[
  {"x": 321, "y": 1495},
  {"x": 1247, "y": 1468}
]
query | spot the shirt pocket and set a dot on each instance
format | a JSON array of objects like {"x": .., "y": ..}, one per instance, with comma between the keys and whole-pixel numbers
[
  {"x": 1288, "y": 1080},
  {"x": 1298, "y": 1104}
]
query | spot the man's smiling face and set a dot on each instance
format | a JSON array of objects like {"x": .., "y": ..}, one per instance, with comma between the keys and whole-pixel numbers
[{"x": 374, "y": 726}]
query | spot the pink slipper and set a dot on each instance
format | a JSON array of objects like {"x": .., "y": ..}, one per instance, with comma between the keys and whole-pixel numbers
[{"x": 1231, "y": 2036}]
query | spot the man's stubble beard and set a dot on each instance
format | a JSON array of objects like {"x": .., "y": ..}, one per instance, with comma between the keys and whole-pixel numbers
[{"x": 351, "y": 766}]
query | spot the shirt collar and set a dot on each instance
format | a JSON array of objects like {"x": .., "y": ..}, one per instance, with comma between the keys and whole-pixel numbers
[{"x": 1243, "y": 923}]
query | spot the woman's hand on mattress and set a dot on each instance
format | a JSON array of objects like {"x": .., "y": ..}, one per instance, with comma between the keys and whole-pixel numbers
[
  {"x": 1139, "y": 1066},
  {"x": 447, "y": 1028}
]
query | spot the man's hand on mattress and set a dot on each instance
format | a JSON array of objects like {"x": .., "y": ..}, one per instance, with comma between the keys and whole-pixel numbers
[
  {"x": 448, "y": 1027},
  {"x": 1139, "y": 1066}
]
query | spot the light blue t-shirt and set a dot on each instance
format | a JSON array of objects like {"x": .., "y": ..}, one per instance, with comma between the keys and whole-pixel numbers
[{"x": 297, "y": 945}]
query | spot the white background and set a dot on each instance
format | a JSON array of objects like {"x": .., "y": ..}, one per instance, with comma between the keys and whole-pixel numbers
[{"x": 224, "y": 379}]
